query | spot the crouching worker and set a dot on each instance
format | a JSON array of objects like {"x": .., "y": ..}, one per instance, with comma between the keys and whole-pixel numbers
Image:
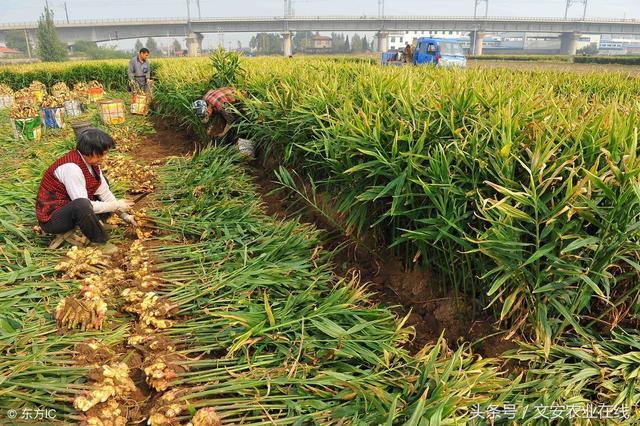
[
  {"x": 74, "y": 193},
  {"x": 217, "y": 110}
]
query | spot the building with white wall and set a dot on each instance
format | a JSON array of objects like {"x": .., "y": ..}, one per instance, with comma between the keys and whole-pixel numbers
[
  {"x": 508, "y": 40},
  {"x": 618, "y": 45},
  {"x": 398, "y": 40}
]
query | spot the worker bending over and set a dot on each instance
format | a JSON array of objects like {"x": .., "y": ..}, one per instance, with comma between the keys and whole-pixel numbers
[
  {"x": 221, "y": 104},
  {"x": 217, "y": 102},
  {"x": 74, "y": 192}
]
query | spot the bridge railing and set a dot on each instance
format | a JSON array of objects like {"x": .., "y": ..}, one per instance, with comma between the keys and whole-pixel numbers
[{"x": 183, "y": 20}]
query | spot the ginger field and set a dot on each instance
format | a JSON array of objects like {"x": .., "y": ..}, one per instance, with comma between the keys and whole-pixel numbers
[{"x": 517, "y": 191}]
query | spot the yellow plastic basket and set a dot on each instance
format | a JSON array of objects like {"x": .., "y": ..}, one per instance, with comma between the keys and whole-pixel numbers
[
  {"x": 112, "y": 111},
  {"x": 95, "y": 94},
  {"x": 140, "y": 104}
]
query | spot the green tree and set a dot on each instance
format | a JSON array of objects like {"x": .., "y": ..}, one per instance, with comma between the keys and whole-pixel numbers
[
  {"x": 91, "y": 50},
  {"x": 16, "y": 40},
  {"x": 356, "y": 43},
  {"x": 266, "y": 43},
  {"x": 347, "y": 46},
  {"x": 590, "y": 49},
  {"x": 302, "y": 40},
  {"x": 339, "y": 42},
  {"x": 137, "y": 46},
  {"x": 83, "y": 46},
  {"x": 49, "y": 48},
  {"x": 153, "y": 47},
  {"x": 365, "y": 44},
  {"x": 176, "y": 46}
]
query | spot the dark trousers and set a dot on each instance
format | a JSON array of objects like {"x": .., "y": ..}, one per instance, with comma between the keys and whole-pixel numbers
[
  {"x": 232, "y": 135},
  {"x": 78, "y": 212}
]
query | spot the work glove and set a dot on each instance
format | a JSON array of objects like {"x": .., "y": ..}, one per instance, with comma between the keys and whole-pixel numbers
[
  {"x": 118, "y": 205},
  {"x": 129, "y": 219},
  {"x": 123, "y": 205}
]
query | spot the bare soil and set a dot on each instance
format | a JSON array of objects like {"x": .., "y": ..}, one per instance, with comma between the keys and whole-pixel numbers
[{"x": 166, "y": 142}]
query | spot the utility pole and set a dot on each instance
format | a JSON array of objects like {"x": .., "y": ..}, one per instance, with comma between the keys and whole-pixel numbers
[
  {"x": 189, "y": 16},
  {"x": 380, "y": 8},
  {"x": 570, "y": 2},
  {"x": 486, "y": 8},
  {"x": 26, "y": 37},
  {"x": 220, "y": 37},
  {"x": 288, "y": 8},
  {"x": 199, "y": 14},
  {"x": 66, "y": 12}
]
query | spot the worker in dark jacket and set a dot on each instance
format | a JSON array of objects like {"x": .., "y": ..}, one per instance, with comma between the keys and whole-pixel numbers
[
  {"x": 139, "y": 71},
  {"x": 74, "y": 192},
  {"x": 408, "y": 54}
]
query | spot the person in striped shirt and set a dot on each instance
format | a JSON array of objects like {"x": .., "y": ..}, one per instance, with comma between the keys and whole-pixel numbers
[
  {"x": 219, "y": 107},
  {"x": 218, "y": 102}
]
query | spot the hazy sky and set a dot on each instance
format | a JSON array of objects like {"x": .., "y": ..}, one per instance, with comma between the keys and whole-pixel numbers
[{"x": 28, "y": 10}]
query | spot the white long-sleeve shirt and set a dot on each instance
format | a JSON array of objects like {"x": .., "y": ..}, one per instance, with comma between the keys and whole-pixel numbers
[{"x": 73, "y": 180}]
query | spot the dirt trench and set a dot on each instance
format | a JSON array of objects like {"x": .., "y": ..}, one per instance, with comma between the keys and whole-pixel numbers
[
  {"x": 133, "y": 366},
  {"x": 410, "y": 292}
]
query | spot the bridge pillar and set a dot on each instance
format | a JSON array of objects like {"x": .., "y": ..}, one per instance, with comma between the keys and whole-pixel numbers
[
  {"x": 477, "y": 38},
  {"x": 194, "y": 44},
  {"x": 383, "y": 41},
  {"x": 286, "y": 44},
  {"x": 568, "y": 43}
]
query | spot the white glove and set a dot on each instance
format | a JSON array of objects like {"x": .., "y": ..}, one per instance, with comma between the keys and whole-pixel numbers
[
  {"x": 129, "y": 219},
  {"x": 121, "y": 205}
]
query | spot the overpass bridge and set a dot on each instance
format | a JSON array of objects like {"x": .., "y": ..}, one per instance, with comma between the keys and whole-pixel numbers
[{"x": 119, "y": 29}]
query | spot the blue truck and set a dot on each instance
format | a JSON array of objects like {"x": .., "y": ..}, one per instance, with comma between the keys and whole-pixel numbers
[
  {"x": 441, "y": 52},
  {"x": 434, "y": 51},
  {"x": 392, "y": 57}
]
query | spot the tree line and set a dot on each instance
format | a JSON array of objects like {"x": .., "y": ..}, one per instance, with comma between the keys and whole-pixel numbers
[
  {"x": 271, "y": 43},
  {"x": 50, "y": 48}
]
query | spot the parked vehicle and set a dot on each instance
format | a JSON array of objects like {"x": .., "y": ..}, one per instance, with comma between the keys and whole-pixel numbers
[
  {"x": 393, "y": 57},
  {"x": 440, "y": 52}
]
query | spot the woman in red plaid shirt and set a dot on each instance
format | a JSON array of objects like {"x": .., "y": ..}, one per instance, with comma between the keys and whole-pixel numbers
[{"x": 217, "y": 101}]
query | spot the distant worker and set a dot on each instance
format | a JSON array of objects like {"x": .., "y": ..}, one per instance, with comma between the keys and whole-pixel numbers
[
  {"x": 408, "y": 53},
  {"x": 140, "y": 71},
  {"x": 74, "y": 193}
]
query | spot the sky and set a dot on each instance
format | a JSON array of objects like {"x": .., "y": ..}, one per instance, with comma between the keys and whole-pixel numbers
[{"x": 29, "y": 10}]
